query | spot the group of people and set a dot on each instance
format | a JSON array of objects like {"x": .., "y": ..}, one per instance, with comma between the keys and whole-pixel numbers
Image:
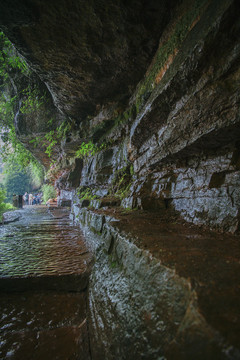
[{"x": 32, "y": 199}]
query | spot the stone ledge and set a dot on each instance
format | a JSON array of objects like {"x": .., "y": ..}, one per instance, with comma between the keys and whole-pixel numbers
[{"x": 161, "y": 292}]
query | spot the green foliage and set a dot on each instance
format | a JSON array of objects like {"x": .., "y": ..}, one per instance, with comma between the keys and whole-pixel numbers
[
  {"x": 113, "y": 264},
  {"x": 49, "y": 192},
  {"x": 89, "y": 149},
  {"x": 28, "y": 101},
  {"x": 4, "y": 206},
  {"x": 131, "y": 170},
  {"x": 122, "y": 182},
  {"x": 6, "y": 110},
  {"x": 9, "y": 59},
  {"x": 36, "y": 172},
  {"x": 16, "y": 181},
  {"x": 86, "y": 150},
  {"x": 17, "y": 158},
  {"x": 85, "y": 194},
  {"x": 13, "y": 152},
  {"x": 32, "y": 100},
  {"x": 63, "y": 129},
  {"x": 53, "y": 138},
  {"x": 2, "y": 195},
  {"x": 22, "y": 171},
  {"x": 10, "y": 63},
  {"x": 52, "y": 142}
]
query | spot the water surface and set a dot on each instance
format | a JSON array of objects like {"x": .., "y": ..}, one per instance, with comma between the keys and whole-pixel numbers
[{"x": 44, "y": 268}]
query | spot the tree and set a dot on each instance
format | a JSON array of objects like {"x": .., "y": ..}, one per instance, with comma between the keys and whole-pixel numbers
[
  {"x": 16, "y": 92},
  {"x": 17, "y": 182},
  {"x": 48, "y": 192}
]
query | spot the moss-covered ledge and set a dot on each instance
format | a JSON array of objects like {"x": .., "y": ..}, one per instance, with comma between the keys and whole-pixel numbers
[{"x": 157, "y": 294}]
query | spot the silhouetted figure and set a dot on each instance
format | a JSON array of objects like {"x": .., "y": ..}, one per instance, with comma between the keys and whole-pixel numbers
[
  {"x": 25, "y": 198},
  {"x": 30, "y": 199}
]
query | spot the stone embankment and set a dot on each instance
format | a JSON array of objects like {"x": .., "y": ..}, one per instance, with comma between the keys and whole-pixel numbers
[{"x": 160, "y": 288}]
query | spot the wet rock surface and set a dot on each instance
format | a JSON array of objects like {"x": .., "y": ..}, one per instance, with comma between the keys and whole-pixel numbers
[
  {"x": 44, "y": 271},
  {"x": 79, "y": 48},
  {"x": 11, "y": 216},
  {"x": 210, "y": 260},
  {"x": 177, "y": 125},
  {"x": 168, "y": 145},
  {"x": 166, "y": 288}
]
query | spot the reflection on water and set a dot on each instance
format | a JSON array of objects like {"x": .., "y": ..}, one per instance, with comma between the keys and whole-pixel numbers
[
  {"x": 46, "y": 248},
  {"x": 42, "y": 324},
  {"x": 41, "y": 250}
]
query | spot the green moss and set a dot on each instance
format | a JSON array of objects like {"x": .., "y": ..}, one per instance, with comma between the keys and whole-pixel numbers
[
  {"x": 113, "y": 264},
  {"x": 122, "y": 182},
  {"x": 102, "y": 131},
  {"x": 131, "y": 170},
  {"x": 92, "y": 229},
  {"x": 85, "y": 194},
  {"x": 112, "y": 261},
  {"x": 168, "y": 49}
]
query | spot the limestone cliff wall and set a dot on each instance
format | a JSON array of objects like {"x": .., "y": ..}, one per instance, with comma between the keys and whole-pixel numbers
[
  {"x": 173, "y": 135},
  {"x": 180, "y": 133},
  {"x": 150, "y": 93}
]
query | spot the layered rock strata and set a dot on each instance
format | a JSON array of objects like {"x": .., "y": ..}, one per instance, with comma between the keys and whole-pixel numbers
[
  {"x": 180, "y": 148},
  {"x": 178, "y": 128},
  {"x": 157, "y": 291},
  {"x": 151, "y": 93}
]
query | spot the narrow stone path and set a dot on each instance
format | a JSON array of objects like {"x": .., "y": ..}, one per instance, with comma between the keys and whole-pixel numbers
[{"x": 44, "y": 269}]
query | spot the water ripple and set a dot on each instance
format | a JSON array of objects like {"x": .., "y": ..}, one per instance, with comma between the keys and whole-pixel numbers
[{"x": 41, "y": 247}]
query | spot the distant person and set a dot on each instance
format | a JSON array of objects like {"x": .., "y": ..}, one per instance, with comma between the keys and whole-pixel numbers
[
  {"x": 20, "y": 201},
  {"x": 25, "y": 198},
  {"x": 30, "y": 199},
  {"x": 15, "y": 200},
  {"x": 34, "y": 199}
]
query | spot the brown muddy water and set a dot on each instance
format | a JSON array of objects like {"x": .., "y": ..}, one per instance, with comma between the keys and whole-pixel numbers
[{"x": 44, "y": 270}]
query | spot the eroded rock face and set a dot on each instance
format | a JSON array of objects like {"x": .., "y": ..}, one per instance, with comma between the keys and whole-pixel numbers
[
  {"x": 167, "y": 144},
  {"x": 192, "y": 120},
  {"x": 86, "y": 51},
  {"x": 183, "y": 143},
  {"x": 180, "y": 128},
  {"x": 203, "y": 191}
]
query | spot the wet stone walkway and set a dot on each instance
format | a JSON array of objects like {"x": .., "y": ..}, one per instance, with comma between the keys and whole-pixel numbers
[{"x": 44, "y": 270}]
